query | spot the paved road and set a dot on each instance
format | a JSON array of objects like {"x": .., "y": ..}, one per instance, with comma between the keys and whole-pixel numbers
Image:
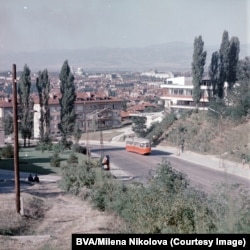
[{"x": 202, "y": 170}]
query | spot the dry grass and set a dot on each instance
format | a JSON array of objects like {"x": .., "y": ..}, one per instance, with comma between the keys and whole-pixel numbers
[
  {"x": 203, "y": 135},
  {"x": 51, "y": 216}
]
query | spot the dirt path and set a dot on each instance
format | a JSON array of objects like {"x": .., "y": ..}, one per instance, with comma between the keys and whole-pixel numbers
[{"x": 63, "y": 215}]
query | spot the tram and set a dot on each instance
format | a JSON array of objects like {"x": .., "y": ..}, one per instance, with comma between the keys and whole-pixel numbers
[{"x": 138, "y": 145}]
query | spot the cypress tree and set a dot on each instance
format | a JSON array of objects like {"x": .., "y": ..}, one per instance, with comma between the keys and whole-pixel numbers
[
  {"x": 67, "y": 100},
  {"x": 43, "y": 88},
  {"x": 199, "y": 60},
  {"x": 233, "y": 56},
  {"x": 224, "y": 63},
  {"x": 25, "y": 105},
  {"x": 214, "y": 71},
  {"x": 8, "y": 124}
]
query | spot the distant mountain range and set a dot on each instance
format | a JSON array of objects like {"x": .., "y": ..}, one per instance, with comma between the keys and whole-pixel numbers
[{"x": 174, "y": 56}]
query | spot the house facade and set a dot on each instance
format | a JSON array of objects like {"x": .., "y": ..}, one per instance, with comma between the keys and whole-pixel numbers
[
  {"x": 94, "y": 112},
  {"x": 177, "y": 93}
]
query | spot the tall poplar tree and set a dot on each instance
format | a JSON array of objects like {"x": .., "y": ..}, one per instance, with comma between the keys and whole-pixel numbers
[
  {"x": 224, "y": 63},
  {"x": 199, "y": 60},
  {"x": 241, "y": 92},
  {"x": 25, "y": 114},
  {"x": 214, "y": 71},
  {"x": 43, "y": 88},
  {"x": 8, "y": 124},
  {"x": 67, "y": 100},
  {"x": 233, "y": 58}
]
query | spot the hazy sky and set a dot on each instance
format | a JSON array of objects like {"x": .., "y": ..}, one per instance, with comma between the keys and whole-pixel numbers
[{"x": 27, "y": 25}]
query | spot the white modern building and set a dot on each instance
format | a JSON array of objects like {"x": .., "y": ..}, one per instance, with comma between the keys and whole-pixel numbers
[{"x": 177, "y": 93}]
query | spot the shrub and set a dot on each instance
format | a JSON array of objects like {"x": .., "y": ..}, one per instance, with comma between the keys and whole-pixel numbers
[
  {"x": 72, "y": 159},
  {"x": 77, "y": 176},
  {"x": 8, "y": 151},
  {"x": 167, "y": 204},
  {"x": 55, "y": 160},
  {"x": 58, "y": 147},
  {"x": 107, "y": 193},
  {"x": 44, "y": 145},
  {"x": 80, "y": 149}
]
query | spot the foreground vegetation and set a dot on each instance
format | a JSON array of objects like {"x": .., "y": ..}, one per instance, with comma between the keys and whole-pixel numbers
[{"x": 168, "y": 204}]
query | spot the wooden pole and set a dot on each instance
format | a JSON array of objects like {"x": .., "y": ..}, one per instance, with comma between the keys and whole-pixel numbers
[{"x": 16, "y": 156}]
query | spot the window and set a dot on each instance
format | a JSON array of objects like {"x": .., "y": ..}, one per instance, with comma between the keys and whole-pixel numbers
[
  {"x": 180, "y": 91},
  {"x": 52, "y": 109}
]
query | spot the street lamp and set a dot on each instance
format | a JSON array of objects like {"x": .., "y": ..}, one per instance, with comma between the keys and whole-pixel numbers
[{"x": 220, "y": 114}]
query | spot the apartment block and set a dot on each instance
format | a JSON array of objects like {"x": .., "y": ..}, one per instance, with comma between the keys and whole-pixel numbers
[{"x": 94, "y": 112}]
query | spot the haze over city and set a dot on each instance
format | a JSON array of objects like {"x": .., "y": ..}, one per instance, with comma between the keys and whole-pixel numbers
[{"x": 33, "y": 25}]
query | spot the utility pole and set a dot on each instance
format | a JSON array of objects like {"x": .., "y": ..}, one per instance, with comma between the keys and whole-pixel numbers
[
  {"x": 16, "y": 156},
  {"x": 101, "y": 143}
]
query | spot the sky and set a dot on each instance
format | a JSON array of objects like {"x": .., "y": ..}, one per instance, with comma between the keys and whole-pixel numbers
[{"x": 30, "y": 25}]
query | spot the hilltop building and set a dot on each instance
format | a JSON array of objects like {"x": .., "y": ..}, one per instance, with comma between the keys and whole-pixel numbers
[{"x": 177, "y": 93}]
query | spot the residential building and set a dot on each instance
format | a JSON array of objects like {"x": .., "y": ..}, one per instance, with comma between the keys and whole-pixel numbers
[
  {"x": 94, "y": 112},
  {"x": 177, "y": 93}
]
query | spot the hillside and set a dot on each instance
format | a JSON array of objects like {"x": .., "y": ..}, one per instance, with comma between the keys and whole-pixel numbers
[{"x": 207, "y": 135}]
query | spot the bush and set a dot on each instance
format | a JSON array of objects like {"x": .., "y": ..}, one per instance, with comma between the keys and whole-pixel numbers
[
  {"x": 167, "y": 204},
  {"x": 58, "y": 147},
  {"x": 44, "y": 145},
  {"x": 8, "y": 151},
  {"x": 76, "y": 176},
  {"x": 66, "y": 144},
  {"x": 55, "y": 160},
  {"x": 72, "y": 159},
  {"x": 80, "y": 149}
]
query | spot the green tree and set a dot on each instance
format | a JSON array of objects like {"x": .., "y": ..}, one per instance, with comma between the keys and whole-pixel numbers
[
  {"x": 43, "y": 88},
  {"x": 240, "y": 94},
  {"x": 25, "y": 105},
  {"x": 214, "y": 71},
  {"x": 233, "y": 58},
  {"x": 67, "y": 100},
  {"x": 224, "y": 63},
  {"x": 243, "y": 72},
  {"x": 77, "y": 133},
  {"x": 8, "y": 124},
  {"x": 199, "y": 60},
  {"x": 139, "y": 126}
]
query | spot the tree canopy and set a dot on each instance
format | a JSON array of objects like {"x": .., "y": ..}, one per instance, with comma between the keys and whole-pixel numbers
[
  {"x": 67, "y": 100},
  {"x": 25, "y": 105},
  {"x": 199, "y": 60},
  {"x": 43, "y": 88}
]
